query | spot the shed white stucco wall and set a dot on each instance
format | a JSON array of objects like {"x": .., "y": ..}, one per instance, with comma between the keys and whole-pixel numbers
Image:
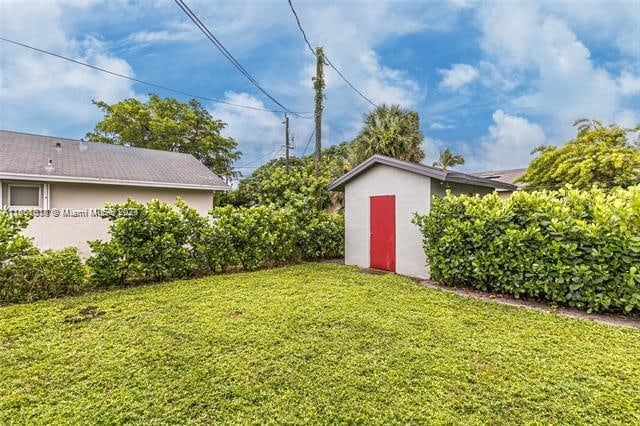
[{"x": 413, "y": 194}]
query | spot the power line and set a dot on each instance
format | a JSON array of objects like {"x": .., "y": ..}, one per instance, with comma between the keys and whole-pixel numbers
[
  {"x": 202, "y": 27},
  {"x": 308, "y": 142},
  {"x": 137, "y": 80},
  {"x": 304, "y": 35},
  {"x": 244, "y": 166},
  {"x": 349, "y": 83}
]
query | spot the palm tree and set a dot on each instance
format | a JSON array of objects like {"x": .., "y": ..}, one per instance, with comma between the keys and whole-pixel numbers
[
  {"x": 448, "y": 159},
  {"x": 392, "y": 131},
  {"x": 584, "y": 125}
]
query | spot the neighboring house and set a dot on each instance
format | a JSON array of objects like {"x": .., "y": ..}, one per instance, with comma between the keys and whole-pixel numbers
[
  {"x": 381, "y": 195},
  {"x": 506, "y": 176},
  {"x": 65, "y": 180}
]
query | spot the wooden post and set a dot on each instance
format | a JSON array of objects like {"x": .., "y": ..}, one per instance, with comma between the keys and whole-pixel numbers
[
  {"x": 286, "y": 141},
  {"x": 318, "y": 85}
]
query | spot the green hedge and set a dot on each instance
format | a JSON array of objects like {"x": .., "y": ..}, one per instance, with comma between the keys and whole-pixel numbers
[
  {"x": 162, "y": 241},
  {"x": 42, "y": 276},
  {"x": 26, "y": 274},
  {"x": 578, "y": 248}
]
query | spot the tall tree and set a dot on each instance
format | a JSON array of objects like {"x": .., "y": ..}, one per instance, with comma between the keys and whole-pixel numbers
[
  {"x": 392, "y": 131},
  {"x": 168, "y": 125},
  {"x": 448, "y": 159},
  {"x": 599, "y": 154}
]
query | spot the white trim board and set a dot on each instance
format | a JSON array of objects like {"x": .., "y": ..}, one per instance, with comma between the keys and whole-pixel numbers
[{"x": 77, "y": 179}]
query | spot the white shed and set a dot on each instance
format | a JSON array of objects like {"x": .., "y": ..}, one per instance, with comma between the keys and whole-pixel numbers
[{"x": 380, "y": 197}]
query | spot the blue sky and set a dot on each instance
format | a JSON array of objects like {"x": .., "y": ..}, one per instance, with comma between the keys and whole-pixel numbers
[{"x": 490, "y": 79}]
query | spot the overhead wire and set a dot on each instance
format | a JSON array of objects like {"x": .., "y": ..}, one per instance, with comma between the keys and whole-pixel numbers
[
  {"x": 313, "y": 132},
  {"x": 306, "y": 40},
  {"x": 244, "y": 166},
  {"x": 212, "y": 38},
  {"x": 137, "y": 80}
]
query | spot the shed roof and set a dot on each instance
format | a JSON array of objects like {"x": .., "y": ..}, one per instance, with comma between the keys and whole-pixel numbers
[
  {"x": 421, "y": 169},
  {"x": 26, "y": 157}
]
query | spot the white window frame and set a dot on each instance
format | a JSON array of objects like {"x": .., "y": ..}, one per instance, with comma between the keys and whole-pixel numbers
[{"x": 24, "y": 185}]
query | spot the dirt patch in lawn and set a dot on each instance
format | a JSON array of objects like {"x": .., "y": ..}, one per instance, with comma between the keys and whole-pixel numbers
[
  {"x": 85, "y": 314},
  {"x": 610, "y": 319}
]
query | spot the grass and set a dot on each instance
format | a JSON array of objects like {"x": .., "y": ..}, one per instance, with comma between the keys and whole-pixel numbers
[{"x": 312, "y": 343}]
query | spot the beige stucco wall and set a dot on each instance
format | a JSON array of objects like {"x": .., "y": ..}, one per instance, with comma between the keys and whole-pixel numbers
[{"x": 58, "y": 232}]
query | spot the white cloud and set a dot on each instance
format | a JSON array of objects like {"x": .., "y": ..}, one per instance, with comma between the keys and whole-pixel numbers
[
  {"x": 260, "y": 134},
  {"x": 44, "y": 94},
  {"x": 432, "y": 148},
  {"x": 627, "y": 118},
  {"x": 509, "y": 142},
  {"x": 629, "y": 84},
  {"x": 565, "y": 84},
  {"x": 440, "y": 126},
  {"x": 258, "y": 131},
  {"x": 606, "y": 20},
  {"x": 147, "y": 37},
  {"x": 459, "y": 76}
]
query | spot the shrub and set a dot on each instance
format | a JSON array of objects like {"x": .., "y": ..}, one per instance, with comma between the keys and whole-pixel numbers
[
  {"x": 43, "y": 275},
  {"x": 321, "y": 236},
  {"x": 574, "y": 247},
  {"x": 164, "y": 241},
  {"x": 148, "y": 243},
  {"x": 12, "y": 243}
]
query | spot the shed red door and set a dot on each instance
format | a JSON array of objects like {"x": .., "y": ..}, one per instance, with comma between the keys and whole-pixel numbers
[{"x": 383, "y": 232}]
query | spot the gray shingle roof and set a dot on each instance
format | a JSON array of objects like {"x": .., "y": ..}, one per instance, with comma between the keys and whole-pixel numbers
[
  {"x": 26, "y": 155},
  {"x": 508, "y": 176},
  {"x": 421, "y": 169}
]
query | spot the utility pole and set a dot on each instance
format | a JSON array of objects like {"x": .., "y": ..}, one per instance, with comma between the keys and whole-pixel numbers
[
  {"x": 318, "y": 85},
  {"x": 286, "y": 141}
]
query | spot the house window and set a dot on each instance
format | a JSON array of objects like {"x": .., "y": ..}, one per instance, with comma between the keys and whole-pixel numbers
[{"x": 24, "y": 195}]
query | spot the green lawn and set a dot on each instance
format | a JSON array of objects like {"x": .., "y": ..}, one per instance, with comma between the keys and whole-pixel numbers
[{"x": 312, "y": 343}]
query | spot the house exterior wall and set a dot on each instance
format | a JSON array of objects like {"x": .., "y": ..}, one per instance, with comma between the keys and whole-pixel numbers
[
  {"x": 412, "y": 192},
  {"x": 59, "y": 232}
]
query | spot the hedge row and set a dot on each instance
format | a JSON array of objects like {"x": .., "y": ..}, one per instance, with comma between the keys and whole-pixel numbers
[
  {"x": 158, "y": 241},
  {"x": 571, "y": 247},
  {"x": 163, "y": 241},
  {"x": 27, "y": 274}
]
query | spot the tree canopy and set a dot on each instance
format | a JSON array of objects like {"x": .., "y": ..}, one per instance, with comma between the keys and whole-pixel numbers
[
  {"x": 170, "y": 125},
  {"x": 387, "y": 130},
  {"x": 603, "y": 155},
  {"x": 270, "y": 184},
  {"x": 392, "y": 131},
  {"x": 448, "y": 159}
]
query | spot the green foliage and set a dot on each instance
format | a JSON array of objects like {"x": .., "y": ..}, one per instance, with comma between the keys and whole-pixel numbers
[
  {"x": 270, "y": 184},
  {"x": 448, "y": 159},
  {"x": 148, "y": 243},
  {"x": 42, "y": 276},
  {"x": 392, "y": 131},
  {"x": 387, "y": 130},
  {"x": 162, "y": 241},
  {"x": 168, "y": 125},
  {"x": 598, "y": 154},
  {"x": 12, "y": 243},
  {"x": 248, "y": 232},
  {"x": 573, "y": 247},
  {"x": 313, "y": 343},
  {"x": 26, "y": 274}
]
